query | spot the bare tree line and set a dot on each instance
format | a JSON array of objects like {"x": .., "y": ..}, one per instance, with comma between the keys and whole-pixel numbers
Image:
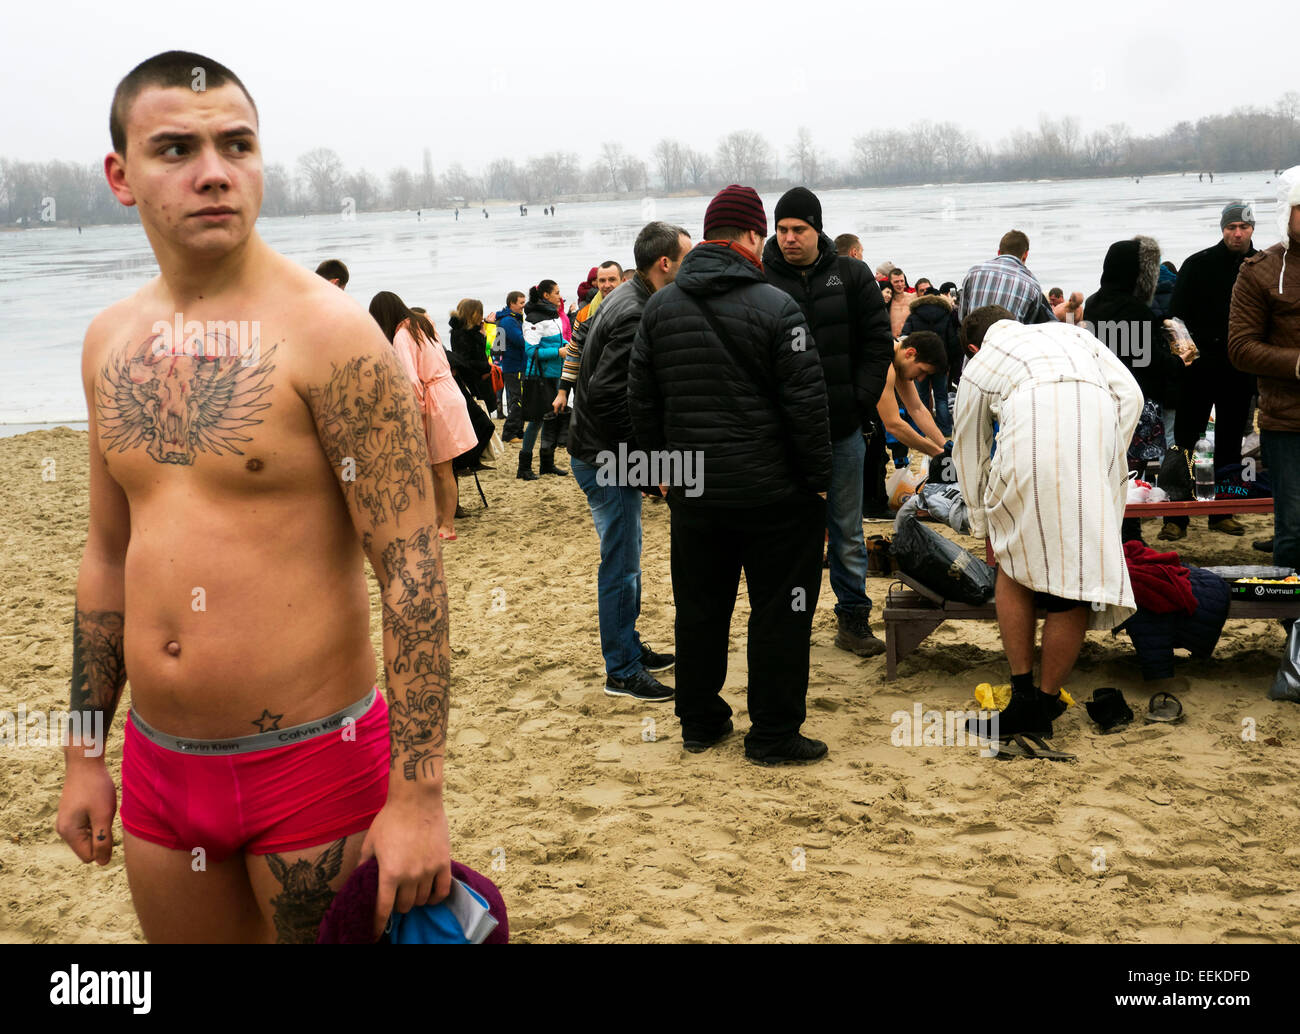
[{"x": 35, "y": 193}]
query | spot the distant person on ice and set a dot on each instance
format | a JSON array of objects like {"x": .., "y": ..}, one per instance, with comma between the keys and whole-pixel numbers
[{"x": 1051, "y": 498}]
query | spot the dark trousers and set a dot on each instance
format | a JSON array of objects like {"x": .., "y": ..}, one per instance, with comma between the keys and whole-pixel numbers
[
  {"x": 779, "y": 548},
  {"x": 1281, "y": 452},
  {"x": 873, "y": 470},
  {"x": 514, "y": 393},
  {"x": 1229, "y": 392}
]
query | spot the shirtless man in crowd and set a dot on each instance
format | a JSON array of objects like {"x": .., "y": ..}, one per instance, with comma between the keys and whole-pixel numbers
[{"x": 239, "y": 472}]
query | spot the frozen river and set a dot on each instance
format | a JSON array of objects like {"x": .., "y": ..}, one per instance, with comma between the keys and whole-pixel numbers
[{"x": 52, "y": 282}]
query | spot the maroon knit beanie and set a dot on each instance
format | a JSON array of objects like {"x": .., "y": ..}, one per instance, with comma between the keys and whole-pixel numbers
[{"x": 736, "y": 206}]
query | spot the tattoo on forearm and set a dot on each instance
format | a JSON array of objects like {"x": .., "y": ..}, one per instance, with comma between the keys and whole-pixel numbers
[
  {"x": 306, "y": 895},
  {"x": 98, "y": 668},
  {"x": 366, "y": 414},
  {"x": 417, "y": 621},
  {"x": 180, "y": 405}
]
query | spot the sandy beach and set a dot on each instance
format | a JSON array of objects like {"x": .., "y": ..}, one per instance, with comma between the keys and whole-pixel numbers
[{"x": 599, "y": 827}]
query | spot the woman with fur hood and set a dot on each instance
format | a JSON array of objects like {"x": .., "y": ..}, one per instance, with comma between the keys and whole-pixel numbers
[{"x": 935, "y": 312}]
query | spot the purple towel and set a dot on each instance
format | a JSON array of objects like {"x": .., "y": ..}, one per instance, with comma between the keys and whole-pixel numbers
[{"x": 351, "y": 916}]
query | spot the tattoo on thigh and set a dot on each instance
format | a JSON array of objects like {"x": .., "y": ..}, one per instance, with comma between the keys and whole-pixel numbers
[{"x": 306, "y": 895}]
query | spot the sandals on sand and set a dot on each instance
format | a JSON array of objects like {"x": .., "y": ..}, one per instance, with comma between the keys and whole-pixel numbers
[
  {"x": 1027, "y": 745},
  {"x": 1164, "y": 707}
]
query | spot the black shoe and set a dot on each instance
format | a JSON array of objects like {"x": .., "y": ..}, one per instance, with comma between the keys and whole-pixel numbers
[
  {"x": 1109, "y": 709},
  {"x": 656, "y": 662},
  {"x": 797, "y": 750},
  {"x": 460, "y": 512},
  {"x": 1028, "y": 712},
  {"x": 877, "y": 513},
  {"x": 1263, "y": 545},
  {"x": 641, "y": 686},
  {"x": 525, "y": 472},
  {"x": 854, "y": 633},
  {"x": 699, "y": 746}
]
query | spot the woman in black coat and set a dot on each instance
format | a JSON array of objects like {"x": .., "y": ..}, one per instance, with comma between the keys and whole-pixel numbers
[{"x": 468, "y": 358}]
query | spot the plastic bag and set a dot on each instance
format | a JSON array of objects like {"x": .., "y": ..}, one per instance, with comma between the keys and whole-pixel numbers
[
  {"x": 900, "y": 485},
  {"x": 1286, "y": 683},
  {"x": 940, "y": 565}
]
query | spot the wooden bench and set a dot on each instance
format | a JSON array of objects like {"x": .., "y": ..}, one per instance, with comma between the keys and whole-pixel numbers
[{"x": 912, "y": 611}]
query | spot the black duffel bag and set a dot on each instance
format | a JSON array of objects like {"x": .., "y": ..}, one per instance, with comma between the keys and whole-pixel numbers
[{"x": 941, "y": 565}]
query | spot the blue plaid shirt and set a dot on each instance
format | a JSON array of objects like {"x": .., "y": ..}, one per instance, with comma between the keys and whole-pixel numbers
[{"x": 1005, "y": 281}]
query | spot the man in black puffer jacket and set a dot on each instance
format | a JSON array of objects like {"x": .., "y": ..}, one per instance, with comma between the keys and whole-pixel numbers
[
  {"x": 724, "y": 372},
  {"x": 842, "y": 304}
]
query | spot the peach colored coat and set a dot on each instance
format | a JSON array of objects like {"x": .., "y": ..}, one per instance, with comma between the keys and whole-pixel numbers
[{"x": 447, "y": 428}]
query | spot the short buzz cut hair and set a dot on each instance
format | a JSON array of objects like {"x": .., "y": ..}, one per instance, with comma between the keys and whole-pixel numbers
[
  {"x": 846, "y": 242},
  {"x": 170, "y": 69},
  {"x": 333, "y": 269},
  {"x": 610, "y": 262},
  {"x": 976, "y": 325},
  {"x": 1013, "y": 242},
  {"x": 1056, "y": 292},
  {"x": 663, "y": 240}
]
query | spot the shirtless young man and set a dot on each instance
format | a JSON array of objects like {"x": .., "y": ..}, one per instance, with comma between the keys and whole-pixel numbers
[
  {"x": 233, "y": 494},
  {"x": 918, "y": 355}
]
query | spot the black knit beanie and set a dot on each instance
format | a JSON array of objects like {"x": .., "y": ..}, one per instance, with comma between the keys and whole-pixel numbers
[{"x": 799, "y": 203}]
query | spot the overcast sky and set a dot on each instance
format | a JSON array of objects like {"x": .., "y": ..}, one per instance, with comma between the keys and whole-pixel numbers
[{"x": 381, "y": 80}]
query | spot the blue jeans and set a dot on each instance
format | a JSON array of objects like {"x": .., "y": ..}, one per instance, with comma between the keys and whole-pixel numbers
[
  {"x": 1281, "y": 450},
  {"x": 847, "y": 551},
  {"x": 938, "y": 387},
  {"x": 616, "y": 512}
]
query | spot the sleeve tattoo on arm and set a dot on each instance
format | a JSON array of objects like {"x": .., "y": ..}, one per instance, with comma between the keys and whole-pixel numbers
[
  {"x": 367, "y": 413},
  {"x": 98, "y": 670},
  {"x": 377, "y": 443}
]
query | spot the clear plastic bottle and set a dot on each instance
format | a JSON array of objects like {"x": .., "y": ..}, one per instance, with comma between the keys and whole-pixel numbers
[{"x": 1203, "y": 470}]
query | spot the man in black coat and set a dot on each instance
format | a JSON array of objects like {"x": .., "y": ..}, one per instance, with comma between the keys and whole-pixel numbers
[
  {"x": 846, "y": 313},
  {"x": 724, "y": 373},
  {"x": 600, "y": 430},
  {"x": 1202, "y": 298}
]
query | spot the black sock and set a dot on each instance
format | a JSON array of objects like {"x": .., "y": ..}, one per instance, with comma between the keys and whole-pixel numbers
[{"x": 1021, "y": 684}]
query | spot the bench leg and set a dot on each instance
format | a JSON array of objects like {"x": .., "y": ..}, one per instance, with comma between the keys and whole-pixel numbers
[{"x": 904, "y": 636}]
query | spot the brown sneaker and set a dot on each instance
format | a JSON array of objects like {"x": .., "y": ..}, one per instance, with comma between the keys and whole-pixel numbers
[
  {"x": 1229, "y": 526},
  {"x": 1172, "y": 532}
]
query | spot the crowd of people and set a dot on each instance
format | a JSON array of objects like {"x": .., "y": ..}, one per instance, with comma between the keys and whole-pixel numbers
[
  {"x": 891, "y": 354},
  {"x": 755, "y": 383}
]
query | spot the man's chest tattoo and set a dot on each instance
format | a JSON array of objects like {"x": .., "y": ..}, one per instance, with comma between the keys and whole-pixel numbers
[{"x": 177, "y": 406}]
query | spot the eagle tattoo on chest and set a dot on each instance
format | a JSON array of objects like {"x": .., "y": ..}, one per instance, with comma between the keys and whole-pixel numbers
[{"x": 177, "y": 405}]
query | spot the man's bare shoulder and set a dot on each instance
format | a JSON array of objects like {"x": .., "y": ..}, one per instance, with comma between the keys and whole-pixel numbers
[
  {"x": 334, "y": 322},
  {"x": 113, "y": 325}
]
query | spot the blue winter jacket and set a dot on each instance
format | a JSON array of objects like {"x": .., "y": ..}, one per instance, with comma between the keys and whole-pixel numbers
[
  {"x": 544, "y": 340},
  {"x": 1156, "y": 636},
  {"x": 513, "y": 327}
]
